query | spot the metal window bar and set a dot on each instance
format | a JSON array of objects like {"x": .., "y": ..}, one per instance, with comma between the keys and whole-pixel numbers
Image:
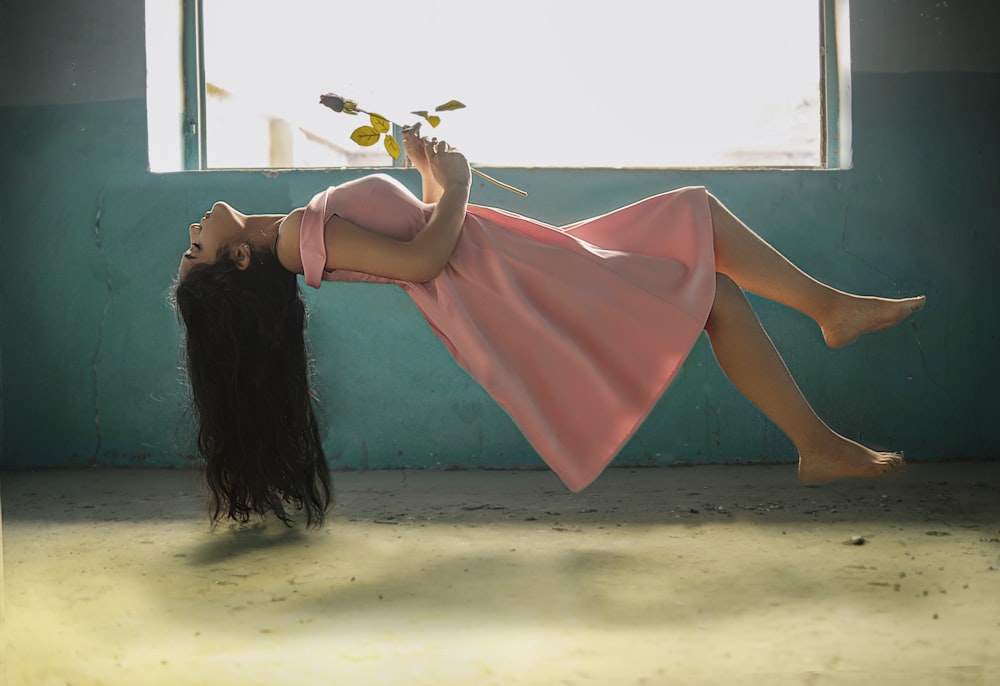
[
  {"x": 835, "y": 89},
  {"x": 193, "y": 118}
]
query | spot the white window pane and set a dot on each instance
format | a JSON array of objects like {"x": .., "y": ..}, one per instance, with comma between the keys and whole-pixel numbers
[
  {"x": 547, "y": 82},
  {"x": 164, "y": 85}
]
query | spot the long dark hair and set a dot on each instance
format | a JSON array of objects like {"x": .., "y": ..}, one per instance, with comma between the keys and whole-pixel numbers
[{"x": 249, "y": 374}]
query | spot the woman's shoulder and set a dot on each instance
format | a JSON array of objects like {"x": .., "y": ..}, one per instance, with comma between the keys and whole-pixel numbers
[{"x": 289, "y": 231}]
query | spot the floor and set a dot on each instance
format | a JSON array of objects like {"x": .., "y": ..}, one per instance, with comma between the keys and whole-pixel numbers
[{"x": 703, "y": 575}]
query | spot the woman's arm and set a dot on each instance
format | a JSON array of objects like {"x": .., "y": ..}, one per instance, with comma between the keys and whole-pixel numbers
[{"x": 349, "y": 246}]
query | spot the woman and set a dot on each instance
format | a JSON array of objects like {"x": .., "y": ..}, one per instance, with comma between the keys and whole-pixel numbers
[{"x": 574, "y": 331}]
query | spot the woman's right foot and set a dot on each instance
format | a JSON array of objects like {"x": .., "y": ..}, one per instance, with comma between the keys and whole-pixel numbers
[
  {"x": 842, "y": 458},
  {"x": 854, "y": 316}
]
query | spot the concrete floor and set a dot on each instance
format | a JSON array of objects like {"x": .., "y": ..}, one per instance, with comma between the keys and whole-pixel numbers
[{"x": 707, "y": 575}]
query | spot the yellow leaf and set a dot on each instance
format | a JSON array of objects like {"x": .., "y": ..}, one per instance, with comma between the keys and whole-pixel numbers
[
  {"x": 379, "y": 123},
  {"x": 431, "y": 119},
  {"x": 365, "y": 136},
  {"x": 392, "y": 147},
  {"x": 448, "y": 106}
]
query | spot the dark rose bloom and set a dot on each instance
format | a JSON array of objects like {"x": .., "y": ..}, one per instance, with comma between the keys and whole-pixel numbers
[{"x": 333, "y": 101}]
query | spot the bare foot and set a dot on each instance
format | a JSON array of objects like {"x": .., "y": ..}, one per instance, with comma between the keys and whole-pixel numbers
[
  {"x": 842, "y": 458},
  {"x": 856, "y": 315}
]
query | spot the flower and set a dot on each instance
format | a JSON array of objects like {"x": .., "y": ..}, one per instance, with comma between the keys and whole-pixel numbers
[
  {"x": 338, "y": 104},
  {"x": 370, "y": 135},
  {"x": 333, "y": 101}
]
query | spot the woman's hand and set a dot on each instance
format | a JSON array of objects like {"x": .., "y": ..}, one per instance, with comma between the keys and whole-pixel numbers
[
  {"x": 448, "y": 166},
  {"x": 439, "y": 164},
  {"x": 414, "y": 146}
]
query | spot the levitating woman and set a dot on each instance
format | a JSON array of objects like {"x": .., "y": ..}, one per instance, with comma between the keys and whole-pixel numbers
[{"x": 575, "y": 331}]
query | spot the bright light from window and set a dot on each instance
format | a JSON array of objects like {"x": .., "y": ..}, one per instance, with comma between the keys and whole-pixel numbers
[{"x": 547, "y": 83}]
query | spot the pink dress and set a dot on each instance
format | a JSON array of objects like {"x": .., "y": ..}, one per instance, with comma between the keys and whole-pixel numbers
[{"x": 575, "y": 331}]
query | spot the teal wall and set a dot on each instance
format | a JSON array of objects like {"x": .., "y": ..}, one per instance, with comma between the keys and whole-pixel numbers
[{"x": 90, "y": 244}]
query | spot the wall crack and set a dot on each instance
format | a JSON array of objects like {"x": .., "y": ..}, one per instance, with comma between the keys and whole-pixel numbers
[
  {"x": 916, "y": 334},
  {"x": 844, "y": 248},
  {"x": 108, "y": 286}
]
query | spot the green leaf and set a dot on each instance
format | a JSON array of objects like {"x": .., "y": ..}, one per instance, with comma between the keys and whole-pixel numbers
[
  {"x": 379, "y": 123},
  {"x": 449, "y": 106},
  {"x": 365, "y": 136},
  {"x": 392, "y": 147}
]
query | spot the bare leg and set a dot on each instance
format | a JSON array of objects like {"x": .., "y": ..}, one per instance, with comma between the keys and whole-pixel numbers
[
  {"x": 749, "y": 359},
  {"x": 754, "y": 265}
]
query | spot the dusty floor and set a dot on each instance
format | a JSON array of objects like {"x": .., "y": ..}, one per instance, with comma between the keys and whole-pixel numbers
[{"x": 708, "y": 575}]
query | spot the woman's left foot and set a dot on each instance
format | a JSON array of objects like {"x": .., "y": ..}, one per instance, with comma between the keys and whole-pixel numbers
[
  {"x": 843, "y": 458},
  {"x": 860, "y": 315}
]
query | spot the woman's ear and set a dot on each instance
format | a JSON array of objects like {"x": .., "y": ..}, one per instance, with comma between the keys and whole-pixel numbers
[{"x": 241, "y": 256}]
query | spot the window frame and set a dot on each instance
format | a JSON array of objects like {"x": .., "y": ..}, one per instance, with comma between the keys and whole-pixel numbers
[
  {"x": 835, "y": 91},
  {"x": 193, "y": 79},
  {"x": 835, "y": 85}
]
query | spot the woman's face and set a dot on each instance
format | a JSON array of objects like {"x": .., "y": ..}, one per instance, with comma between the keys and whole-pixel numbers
[{"x": 219, "y": 230}]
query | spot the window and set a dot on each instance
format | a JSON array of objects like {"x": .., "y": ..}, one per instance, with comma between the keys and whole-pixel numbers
[{"x": 547, "y": 83}]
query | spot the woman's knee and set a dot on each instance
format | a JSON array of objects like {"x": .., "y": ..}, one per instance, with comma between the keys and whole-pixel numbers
[
  {"x": 726, "y": 287},
  {"x": 727, "y": 294}
]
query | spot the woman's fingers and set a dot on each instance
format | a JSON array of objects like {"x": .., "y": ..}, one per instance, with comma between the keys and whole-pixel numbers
[
  {"x": 448, "y": 162},
  {"x": 411, "y": 136},
  {"x": 415, "y": 147},
  {"x": 435, "y": 146},
  {"x": 412, "y": 143},
  {"x": 438, "y": 153}
]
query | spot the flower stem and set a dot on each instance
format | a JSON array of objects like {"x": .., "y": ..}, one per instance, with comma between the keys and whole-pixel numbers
[
  {"x": 489, "y": 178},
  {"x": 499, "y": 183}
]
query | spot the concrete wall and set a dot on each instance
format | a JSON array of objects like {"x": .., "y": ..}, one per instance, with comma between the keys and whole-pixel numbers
[
  {"x": 90, "y": 244},
  {"x": 925, "y": 36}
]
